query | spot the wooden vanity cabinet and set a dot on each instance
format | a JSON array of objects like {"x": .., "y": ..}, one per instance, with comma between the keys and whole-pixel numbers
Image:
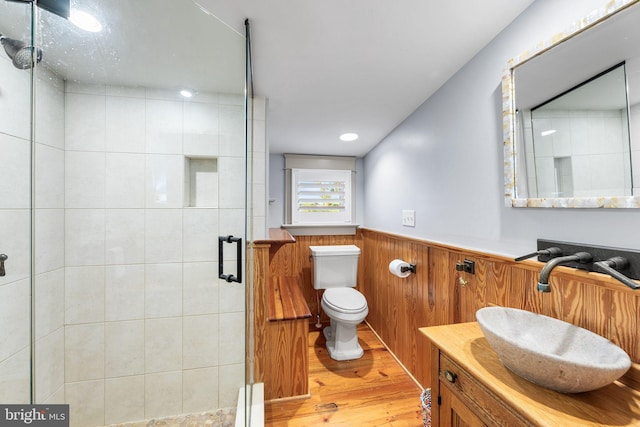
[
  {"x": 453, "y": 412},
  {"x": 466, "y": 402},
  {"x": 471, "y": 387}
]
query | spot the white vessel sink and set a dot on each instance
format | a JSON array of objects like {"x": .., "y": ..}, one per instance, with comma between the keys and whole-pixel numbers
[{"x": 550, "y": 352}]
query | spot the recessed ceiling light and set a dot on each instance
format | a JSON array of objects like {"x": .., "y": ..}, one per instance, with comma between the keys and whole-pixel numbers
[
  {"x": 548, "y": 132},
  {"x": 186, "y": 93},
  {"x": 85, "y": 21},
  {"x": 348, "y": 136}
]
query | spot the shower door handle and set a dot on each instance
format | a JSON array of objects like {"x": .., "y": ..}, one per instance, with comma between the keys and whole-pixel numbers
[{"x": 230, "y": 277}]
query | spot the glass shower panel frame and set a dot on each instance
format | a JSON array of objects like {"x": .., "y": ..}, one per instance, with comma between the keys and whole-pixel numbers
[
  {"x": 249, "y": 263},
  {"x": 16, "y": 135},
  {"x": 130, "y": 320}
]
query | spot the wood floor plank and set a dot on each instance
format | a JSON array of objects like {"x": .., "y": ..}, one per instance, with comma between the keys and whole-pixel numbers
[{"x": 371, "y": 391}]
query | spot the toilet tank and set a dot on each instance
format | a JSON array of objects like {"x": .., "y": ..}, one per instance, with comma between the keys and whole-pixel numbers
[{"x": 335, "y": 266}]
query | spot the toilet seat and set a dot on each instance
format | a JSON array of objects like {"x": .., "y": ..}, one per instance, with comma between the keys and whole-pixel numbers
[{"x": 344, "y": 300}]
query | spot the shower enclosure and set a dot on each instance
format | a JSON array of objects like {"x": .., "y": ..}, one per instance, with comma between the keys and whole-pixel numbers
[{"x": 124, "y": 153}]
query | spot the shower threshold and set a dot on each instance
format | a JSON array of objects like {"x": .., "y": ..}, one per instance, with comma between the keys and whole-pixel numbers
[{"x": 217, "y": 418}]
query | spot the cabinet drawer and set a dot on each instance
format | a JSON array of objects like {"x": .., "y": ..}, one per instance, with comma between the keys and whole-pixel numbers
[{"x": 479, "y": 399}]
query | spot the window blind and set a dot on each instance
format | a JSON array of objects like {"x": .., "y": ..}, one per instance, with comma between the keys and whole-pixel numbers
[{"x": 321, "y": 196}]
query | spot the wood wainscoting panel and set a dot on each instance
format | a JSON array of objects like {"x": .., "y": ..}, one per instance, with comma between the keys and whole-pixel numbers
[
  {"x": 398, "y": 306},
  {"x": 571, "y": 304},
  {"x": 436, "y": 295},
  {"x": 280, "y": 347},
  {"x": 286, "y": 371},
  {"x": 597, "y": 301},
  {"x": 622, "y": 332},
  {"x": 464, "y": 287},
  {"x": 260, "y": 280},
  {"x": 480, "y": 294},
  {"x": 439, "y": 281},
  {"x": 500, "y": 275},
  {"x": 419, "y": 312},
  {"x": 523, "y": 291}
]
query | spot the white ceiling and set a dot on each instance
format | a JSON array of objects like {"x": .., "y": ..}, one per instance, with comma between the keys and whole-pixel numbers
[
  {"x": 335, "y": 66},
  {"x": 326, "y": 66},
  {"x": 159, "y": 44}
]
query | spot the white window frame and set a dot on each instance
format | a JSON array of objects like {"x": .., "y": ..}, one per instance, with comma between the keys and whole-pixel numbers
[{"x": 320, "y": 196}]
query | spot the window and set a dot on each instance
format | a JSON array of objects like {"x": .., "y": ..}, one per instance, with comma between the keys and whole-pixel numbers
[{"x": 321, "y": 196}]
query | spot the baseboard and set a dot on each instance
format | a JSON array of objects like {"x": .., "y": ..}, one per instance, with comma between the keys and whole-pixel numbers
[{"x": 394, "y": 356}]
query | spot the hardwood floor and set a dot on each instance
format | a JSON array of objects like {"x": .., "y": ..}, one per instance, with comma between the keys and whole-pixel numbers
[{"x": 371, "y": 391}]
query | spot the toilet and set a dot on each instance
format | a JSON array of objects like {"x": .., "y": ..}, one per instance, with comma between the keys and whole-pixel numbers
[{"x": 335, "y": 269}]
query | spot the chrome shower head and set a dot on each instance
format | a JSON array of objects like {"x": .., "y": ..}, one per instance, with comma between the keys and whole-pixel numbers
[{"x": 21, "y": 54}]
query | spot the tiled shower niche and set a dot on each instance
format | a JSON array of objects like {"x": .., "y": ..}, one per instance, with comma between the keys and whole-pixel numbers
[{"x": 201, "y": 182}]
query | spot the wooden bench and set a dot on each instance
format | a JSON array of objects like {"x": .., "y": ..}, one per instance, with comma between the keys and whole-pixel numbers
[
  {"x": 281, "y": 324},
  {"x": 286, "y": 373},
  {"x": 286, "y": 301}
]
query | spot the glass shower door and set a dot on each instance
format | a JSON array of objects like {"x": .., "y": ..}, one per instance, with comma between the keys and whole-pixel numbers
[
  {"x": 15, "y": 211},
  {"x": 139, "y": 164}
]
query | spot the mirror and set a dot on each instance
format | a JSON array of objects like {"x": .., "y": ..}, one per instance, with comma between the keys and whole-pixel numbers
[
  {"x": 577, "y": 144},
  {"x": 572, "y": 117}
]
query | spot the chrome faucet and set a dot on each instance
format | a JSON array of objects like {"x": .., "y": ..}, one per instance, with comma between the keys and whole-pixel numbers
[
  {"x": 543, "y": 283},
  {"x": 611, "y": 267}
]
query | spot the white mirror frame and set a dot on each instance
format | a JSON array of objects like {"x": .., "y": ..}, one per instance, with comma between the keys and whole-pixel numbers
[{"x": 508, "y": 121}]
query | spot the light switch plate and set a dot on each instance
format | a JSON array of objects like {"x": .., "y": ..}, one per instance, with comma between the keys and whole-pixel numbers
[{"x": 409, "y": 218}]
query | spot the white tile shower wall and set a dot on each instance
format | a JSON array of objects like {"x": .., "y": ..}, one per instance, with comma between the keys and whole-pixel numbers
[
  {"x": 144, "y": 308},
  {"x": 14, "y": 235},
  {"x": 14, "y": 213}
]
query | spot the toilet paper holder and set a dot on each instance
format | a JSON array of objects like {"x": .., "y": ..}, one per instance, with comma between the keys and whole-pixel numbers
[
  {"x": 410, "y": 267},
  {"x": 401, "y": 268}
]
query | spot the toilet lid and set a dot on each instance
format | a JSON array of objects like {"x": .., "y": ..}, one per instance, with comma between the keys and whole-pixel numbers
[{"x": 345, "y": 300}]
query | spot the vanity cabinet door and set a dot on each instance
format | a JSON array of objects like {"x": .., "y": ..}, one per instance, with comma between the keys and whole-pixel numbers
[
  {"x": 454, "y": 413},
  {"x": 467, "y": 402}
]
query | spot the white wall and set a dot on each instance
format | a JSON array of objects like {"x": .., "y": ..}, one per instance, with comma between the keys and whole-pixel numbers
[
  {"x": 446, "y": 161},
  {"x": 275, "y": 210}
]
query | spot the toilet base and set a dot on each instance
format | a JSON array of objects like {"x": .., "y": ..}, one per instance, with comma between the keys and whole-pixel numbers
[{"x": 342, "y": 341}]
